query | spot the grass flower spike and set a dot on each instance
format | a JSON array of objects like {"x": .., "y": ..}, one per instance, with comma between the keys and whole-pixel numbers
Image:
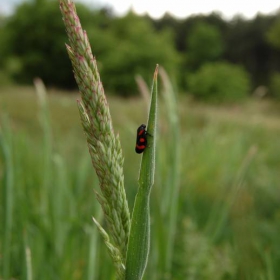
[{"x": 104, "y": 146}]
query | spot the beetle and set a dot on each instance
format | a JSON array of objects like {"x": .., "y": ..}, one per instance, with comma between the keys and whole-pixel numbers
[{"x": 141, "y": 139}]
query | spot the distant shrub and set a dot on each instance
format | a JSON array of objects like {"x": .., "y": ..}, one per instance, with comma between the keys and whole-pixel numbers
[
  {"x": 219, "y": 82},
  {"x": 274, "y": 85}
]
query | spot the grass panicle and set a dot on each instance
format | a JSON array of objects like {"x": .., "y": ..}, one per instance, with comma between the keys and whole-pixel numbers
[
  {"x": 104, "y": 146},
  {"x": 139, "y": 239}
]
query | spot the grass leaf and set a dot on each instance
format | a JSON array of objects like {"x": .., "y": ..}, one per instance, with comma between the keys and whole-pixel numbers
[{"x": 139, "y": 238}]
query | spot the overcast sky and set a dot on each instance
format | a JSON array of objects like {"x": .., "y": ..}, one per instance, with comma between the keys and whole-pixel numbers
[{"x": 179, "y": 8}]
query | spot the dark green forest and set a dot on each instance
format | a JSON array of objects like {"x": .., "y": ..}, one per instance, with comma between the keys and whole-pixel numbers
[{"x": 206, "y": 56}]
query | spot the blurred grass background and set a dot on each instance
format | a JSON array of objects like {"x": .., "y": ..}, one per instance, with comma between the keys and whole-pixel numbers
[
  {"x": 215, "y": 203},
  {"x": 228, "y": 202}
]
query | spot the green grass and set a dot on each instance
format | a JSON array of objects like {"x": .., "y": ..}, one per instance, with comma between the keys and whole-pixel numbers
[{"x": 228, "y": 204}]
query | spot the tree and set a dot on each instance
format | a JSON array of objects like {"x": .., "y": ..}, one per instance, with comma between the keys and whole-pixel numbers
[
  {"x": 35, "y": 39},
  {"x": 273, "y": 34},
  {"x": 133, "y": 47},
  {"x": 246, "y": 44},
  {"x": 204, "y": 44}
]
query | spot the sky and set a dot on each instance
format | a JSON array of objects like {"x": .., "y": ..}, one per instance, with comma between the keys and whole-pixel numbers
[{"x": 179, "y": 8}]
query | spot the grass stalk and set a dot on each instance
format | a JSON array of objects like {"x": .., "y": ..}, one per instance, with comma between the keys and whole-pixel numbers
[
  {"x": 92, "y": 273},
  {"x": 171, "y": 190},
  {"x": 7, "y": 196},
  {"x": 220, "y": 213},
  {"x": 28, "y": 258},
  {"x": 45, "y": 122},
  {"x": 269, "y": 266}
]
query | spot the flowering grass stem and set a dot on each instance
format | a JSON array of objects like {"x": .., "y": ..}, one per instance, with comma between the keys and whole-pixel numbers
[{"x": 104, "y": 146}]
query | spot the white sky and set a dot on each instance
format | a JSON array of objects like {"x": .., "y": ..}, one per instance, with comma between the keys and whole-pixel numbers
[
  {"x": 184, "y": 8},
  {"x": 179, "y": 8}
]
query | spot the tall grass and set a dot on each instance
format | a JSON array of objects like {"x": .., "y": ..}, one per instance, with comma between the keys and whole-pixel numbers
[
  {"x": 227, "y": 224},
  {"x": 42, "y": 200}
]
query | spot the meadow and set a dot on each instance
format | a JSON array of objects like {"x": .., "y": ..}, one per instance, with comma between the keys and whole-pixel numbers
[{"x": 227, "y": 212}]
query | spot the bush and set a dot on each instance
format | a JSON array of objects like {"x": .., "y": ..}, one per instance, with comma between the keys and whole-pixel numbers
[
  {"x": 219, "y": 82},
  {"x": 274, "y": 85}
]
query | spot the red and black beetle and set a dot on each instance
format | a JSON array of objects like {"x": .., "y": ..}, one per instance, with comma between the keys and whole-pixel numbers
[{"x": 141, "y": 139}]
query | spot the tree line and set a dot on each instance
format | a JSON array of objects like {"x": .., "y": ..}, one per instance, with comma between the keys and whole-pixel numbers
[{"x": 195, "y": 51}]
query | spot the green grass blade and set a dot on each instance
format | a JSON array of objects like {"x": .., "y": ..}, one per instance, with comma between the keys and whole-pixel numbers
[
  {"x": 44, "y": 117},
  {"x": 28, "y": 257},
  {"x": 219, "y": 216},
  {"x": 171, "y": 189},
  {"x": 8, "y": 197},
  {"x": 92, "y": 270},
  {"x": 139, "y": 239}
]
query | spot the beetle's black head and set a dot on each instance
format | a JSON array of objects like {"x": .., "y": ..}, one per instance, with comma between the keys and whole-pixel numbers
[{"x": 142, "y": 126}]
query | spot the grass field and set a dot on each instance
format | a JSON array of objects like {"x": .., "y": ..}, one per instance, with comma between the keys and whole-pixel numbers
[{"x": 229, "y": 190}]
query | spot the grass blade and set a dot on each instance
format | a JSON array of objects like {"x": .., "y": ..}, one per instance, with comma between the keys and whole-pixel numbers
[
  {"x": 28, "y": 258},
  {"x": 139, "y": 239},
  {"x": 8, "y": 197},
  {"x": 172, "y": 185}
]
